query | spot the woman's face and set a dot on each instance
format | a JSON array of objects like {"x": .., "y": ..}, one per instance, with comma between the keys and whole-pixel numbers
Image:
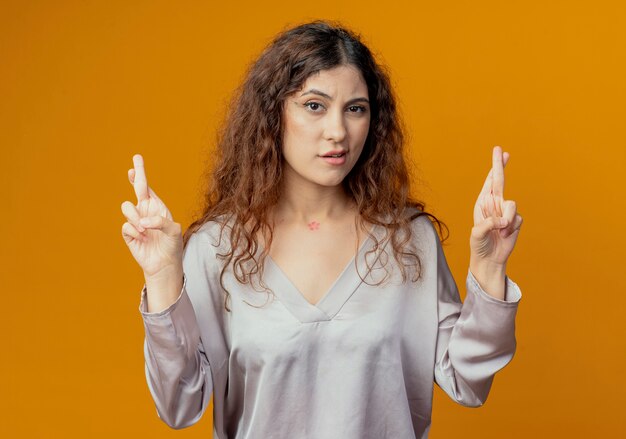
[{"x": 330, "y": 114}]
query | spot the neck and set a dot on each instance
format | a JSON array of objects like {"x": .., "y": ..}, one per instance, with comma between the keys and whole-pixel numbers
[{"x": 303, "y": 202}]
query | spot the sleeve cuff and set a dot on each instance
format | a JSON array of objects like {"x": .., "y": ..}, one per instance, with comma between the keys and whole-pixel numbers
[
  {"x": 512, "y": 292},
  {"x": 143, "y": 302}
]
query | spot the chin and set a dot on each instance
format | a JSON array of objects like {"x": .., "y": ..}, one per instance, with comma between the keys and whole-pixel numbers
[{"x": 330, "y": 183}]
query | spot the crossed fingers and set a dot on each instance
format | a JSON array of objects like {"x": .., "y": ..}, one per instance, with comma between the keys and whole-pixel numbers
[
  {"x": 137, "y": 177},
  {"x": 492, "y": 201},
  {"x": 492, "y": 193}
]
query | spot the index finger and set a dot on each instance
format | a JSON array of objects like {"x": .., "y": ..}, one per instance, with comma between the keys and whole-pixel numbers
[
  {"x": 497, "y": 186},
  {"x": 141, "y": 183}
]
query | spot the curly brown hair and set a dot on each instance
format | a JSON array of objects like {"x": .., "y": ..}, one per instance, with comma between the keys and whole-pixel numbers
[{"x": 245, "y": 179}]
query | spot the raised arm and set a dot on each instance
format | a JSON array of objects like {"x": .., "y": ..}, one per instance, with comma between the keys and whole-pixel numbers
[
  {"x": 176, "y": 366},
  {"x": 177, "y": 369},
  {"x": 475, "y": 338}
]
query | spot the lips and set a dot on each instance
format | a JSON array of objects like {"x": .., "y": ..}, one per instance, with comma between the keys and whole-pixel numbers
[{"x": 337, "y": 152}]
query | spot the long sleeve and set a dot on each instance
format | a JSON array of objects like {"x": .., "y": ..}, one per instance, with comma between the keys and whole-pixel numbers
[
  {"x": 177, "y": 369},
  {"x": 475, "y": 338}
]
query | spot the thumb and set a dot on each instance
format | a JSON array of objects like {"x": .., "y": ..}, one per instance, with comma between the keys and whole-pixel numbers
[
  {"x": 487, "y": 225},
  {"x": 161, "y": 223}
]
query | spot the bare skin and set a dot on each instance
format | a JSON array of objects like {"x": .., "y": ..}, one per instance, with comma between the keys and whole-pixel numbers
[
  {"x": 314, "y": 255},
  {"x": 154, "y": 239},
  {"x": 314, "y": 222}
]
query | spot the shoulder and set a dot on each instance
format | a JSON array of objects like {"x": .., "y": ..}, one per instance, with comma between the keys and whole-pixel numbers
[
  {"x": 424, "y": 239},
  {"x": 204, "y": 249},
  {"x": 421, "y": 223},
  {"x": 213, "y": 233}
]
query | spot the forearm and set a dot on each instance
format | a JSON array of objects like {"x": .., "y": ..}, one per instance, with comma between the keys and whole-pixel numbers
[
  {"x": 480, "y": 343},
  {"x": 177, "y": 369}
]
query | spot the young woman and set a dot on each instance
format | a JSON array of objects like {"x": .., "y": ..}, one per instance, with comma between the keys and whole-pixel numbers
[{"x": 312, "y": 297}]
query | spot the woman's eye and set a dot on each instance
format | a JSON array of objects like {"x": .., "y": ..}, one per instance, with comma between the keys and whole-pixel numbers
[
  {"x": 313, "y": 106},
  {"x": 357, "y": 109}
]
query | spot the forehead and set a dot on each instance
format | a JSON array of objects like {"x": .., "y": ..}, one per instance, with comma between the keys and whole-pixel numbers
[{"x": 344, "y": 80}]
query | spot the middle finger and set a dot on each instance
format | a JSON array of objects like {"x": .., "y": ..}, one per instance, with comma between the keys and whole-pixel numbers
[
  {"x": 487, "y": 185},
  {"x": 141, "y": 183},
  {"x": 497, "y": 187}
]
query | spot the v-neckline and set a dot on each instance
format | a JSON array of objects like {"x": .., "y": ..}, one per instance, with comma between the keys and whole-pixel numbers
[{"x": 333, "y": 299}]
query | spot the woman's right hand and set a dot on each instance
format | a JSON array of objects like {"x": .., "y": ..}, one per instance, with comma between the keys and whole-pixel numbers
[{"x": 152, "y": 236}]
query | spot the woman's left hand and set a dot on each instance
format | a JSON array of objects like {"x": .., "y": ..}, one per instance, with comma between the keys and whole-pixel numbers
[{"x": 496, "y": 221}]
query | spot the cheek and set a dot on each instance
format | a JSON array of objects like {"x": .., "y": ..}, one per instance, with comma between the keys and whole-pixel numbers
[
  {"x": 297, "y": 128},
  {"x": 304, "y": 126},
  {"x": 367, "y": 126},
  {"x": 363, "y": 130},
  {"x": 297, "y": 139}
]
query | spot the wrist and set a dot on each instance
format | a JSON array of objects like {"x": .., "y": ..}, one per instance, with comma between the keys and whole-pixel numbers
[
  {"x": 490, "y": 276},
  {"x": 163, "y": 288},
  {"x": 165, "y": 274},
  {"x": 487, "y": 267}
]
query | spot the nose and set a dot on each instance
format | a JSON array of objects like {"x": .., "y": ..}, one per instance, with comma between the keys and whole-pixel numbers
[{"x": 335, "y": 128}]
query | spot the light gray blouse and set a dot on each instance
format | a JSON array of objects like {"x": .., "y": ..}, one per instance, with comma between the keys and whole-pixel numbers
[{"x": 358, "y": 364}]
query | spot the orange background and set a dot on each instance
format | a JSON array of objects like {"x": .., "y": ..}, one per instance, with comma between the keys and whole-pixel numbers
[{"x": 84, "y": 85}]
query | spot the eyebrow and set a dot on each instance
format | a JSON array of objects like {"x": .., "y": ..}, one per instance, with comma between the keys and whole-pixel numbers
[{"x": 321, "y": 93}]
